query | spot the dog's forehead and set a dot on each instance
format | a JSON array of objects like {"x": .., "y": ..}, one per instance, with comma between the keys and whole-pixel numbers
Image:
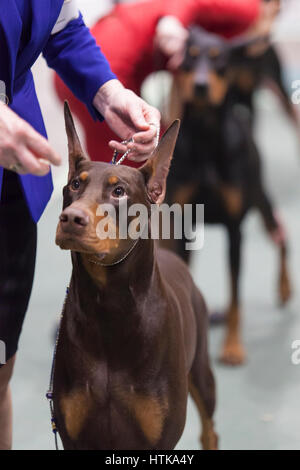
[
  {"x": 205, "y": 40},
  {"x": 108, "y": 173}
]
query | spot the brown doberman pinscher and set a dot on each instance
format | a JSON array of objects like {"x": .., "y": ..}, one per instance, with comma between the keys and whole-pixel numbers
[
  {"x": 218, "y": 163},
  {"x": 133, "y": 338}
]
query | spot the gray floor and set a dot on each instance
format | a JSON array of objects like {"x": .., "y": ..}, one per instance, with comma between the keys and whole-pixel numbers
[{"x": 258, "y": 404}]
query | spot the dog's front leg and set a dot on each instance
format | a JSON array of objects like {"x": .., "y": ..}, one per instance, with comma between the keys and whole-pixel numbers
[{"x": 233, "y": 352}]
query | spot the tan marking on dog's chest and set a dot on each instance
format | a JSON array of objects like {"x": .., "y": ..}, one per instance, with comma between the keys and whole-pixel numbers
[
  {"x": 150, "y": 413},
  {"x": 75, "y": 407}
]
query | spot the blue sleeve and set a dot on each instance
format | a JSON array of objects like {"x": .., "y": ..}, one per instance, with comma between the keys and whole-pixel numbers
[{"x": 75, "y": 56}]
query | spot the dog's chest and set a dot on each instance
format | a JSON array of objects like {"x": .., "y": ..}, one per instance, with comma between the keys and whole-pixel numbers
[
  {"x": 106, "y": 394},
  {"x": 106, "y": 407}
]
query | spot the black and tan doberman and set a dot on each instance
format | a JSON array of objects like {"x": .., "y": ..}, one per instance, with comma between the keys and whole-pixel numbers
[
  {"x": 133, "y": 338},
  {"x": 217, "y": 163}
]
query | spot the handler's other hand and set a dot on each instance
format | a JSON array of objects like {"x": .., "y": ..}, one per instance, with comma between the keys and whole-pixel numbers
[
  {"x": 170, "y": 38},
  {"x": 129, "y": 117},
  {"x": 22, "y": 148},
  {"x": 269, "y": 10}
]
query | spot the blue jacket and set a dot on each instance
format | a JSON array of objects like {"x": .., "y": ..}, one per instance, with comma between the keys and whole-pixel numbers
[{"x": 25, "y": 27}]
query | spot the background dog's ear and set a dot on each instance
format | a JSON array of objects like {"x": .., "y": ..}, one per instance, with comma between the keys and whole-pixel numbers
[
  {"x": 75, "y": 150},
  {"x": 156, "y": 169}
]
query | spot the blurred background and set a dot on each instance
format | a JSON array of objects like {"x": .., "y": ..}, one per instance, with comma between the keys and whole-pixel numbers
[{"x": 258, "y": 405}]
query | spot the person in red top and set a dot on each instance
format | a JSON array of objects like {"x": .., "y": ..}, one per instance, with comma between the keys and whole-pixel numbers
[{"x": 142, "y": 37}]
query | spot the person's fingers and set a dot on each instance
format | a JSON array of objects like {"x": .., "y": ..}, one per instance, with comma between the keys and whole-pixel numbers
[
  {"x": 152, "y": 115},
  {"x": 22, "y": 161},
  {"x": 145, "y": 137},
  {"x": 138, "y": 157},
  {"x": 120, "y": 148},
  {"x": 142, "y": 114},
  {"x": 139, "y": 150},
  {"x": 172, "y": 45},
  {"x": 11, "y": 160},
  {"x": 40, "y": 147},
  {"x": 8, "y": 160},
  {"x": 28, "y": 163},
  {"x": 175, "y": 61},
  {"x": 135, "y": 111}
]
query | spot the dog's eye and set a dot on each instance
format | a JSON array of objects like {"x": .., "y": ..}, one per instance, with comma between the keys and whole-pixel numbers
[
  {"x": 75, "y": 184},
  {"x": 118, "y": 191}
]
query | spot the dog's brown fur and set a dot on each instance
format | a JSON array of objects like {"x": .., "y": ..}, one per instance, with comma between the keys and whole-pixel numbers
[{"x": 133, "y": 337}]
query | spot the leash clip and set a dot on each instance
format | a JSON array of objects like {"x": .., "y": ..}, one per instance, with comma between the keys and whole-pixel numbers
[
  {"x": 114, "y": 160},
  {"x": 116, "y": 153}
]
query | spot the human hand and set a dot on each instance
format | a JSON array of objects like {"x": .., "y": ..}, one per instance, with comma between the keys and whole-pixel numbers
[
  {"x": 260, "y": 31},
  {"x": 22, "y": 149},
  {"x": 170, "y": 38},
  {"x": 130, "y": 117},
  {"x": 269, "y": 10}
]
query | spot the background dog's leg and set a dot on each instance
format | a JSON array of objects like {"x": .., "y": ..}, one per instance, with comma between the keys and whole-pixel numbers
[
  {"x": 278, "y": 235},
  {"x": 285, "y": 290},
  {"x": 233, "y": 352}
]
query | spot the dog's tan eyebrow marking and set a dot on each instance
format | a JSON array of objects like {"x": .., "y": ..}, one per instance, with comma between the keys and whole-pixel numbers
[
  {"x": 113, "y": 179},
  {"x": 83, "y": 175}
]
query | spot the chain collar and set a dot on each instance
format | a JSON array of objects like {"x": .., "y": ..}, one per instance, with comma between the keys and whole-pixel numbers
[{"x": 119, "y": 260}]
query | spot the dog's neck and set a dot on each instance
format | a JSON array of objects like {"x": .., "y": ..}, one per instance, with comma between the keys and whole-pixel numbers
[
  {"x": 123, "y": 283},
  {"x": 109, "y": 308}
]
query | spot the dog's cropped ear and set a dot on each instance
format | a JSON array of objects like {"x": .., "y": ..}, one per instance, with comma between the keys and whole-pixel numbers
[
  {"x": 156, "y": 169},
  {"x": 75, "y": 150}
]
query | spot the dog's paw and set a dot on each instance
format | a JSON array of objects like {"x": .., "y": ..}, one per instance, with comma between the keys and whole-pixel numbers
[{"x": 233, "y": 354}]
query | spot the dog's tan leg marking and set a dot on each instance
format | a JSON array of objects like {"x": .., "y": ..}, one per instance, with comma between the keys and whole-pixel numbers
[
  {"x": 209, "y": 438},
  {"x": 233, "y": 199},
  {"x": 285, "y": 290},
  {"x": 233, "y": 352},
  {"x": 75, "y": 408}
]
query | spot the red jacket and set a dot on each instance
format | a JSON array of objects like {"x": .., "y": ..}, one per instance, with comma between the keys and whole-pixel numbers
[
  {"x": 126, "y": 37},
  {"x": 225, "y": 17}
]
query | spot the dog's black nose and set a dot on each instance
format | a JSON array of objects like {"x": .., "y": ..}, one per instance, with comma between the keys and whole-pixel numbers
[{"x": 73, "y": 218}]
